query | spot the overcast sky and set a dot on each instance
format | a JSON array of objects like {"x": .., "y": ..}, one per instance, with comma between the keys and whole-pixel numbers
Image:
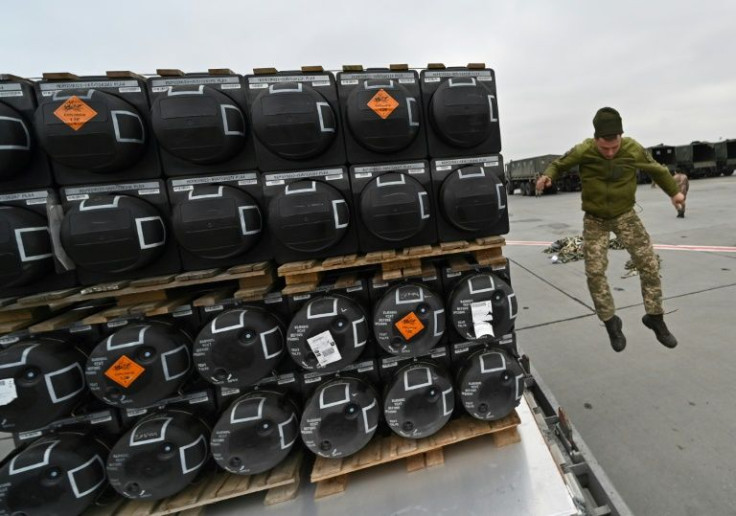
[{"x": 669, "y": 67}]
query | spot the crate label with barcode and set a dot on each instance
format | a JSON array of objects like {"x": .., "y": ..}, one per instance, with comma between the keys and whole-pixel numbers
[
  {"x": 482, "y": 313},
  {"x": 324, "y": 348},
  {"x": 8, "y": 393}
]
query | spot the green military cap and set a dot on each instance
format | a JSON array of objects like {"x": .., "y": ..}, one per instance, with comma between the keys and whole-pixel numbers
[{"x": 607, "y": 122}]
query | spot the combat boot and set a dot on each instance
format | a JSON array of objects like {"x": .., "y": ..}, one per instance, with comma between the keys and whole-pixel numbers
[
  {"x": 618, "y": 339},
  {"x": 657, "y": 325}
]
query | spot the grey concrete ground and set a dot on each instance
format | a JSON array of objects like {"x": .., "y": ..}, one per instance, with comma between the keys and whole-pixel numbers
[{"x": 660, "y": 421}]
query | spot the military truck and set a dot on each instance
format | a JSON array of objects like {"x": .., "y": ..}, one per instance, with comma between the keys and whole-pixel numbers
[
  {"x": 523, "y": 174},
  {"x": 696, "y": 159},
  {"x": 725, "y": 157},
  {"x": 662, "y": 154}
]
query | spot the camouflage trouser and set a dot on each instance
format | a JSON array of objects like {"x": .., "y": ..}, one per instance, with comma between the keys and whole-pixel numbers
[{"x": 630, "y": 231}]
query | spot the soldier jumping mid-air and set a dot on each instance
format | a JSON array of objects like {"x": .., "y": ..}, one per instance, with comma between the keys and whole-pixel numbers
[{"x": 608, "y": 164}]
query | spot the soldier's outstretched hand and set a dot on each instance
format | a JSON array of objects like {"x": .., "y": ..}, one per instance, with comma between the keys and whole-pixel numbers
[
  {"x": 543, "y": 182},
  {"x": 677, "y": 200}
]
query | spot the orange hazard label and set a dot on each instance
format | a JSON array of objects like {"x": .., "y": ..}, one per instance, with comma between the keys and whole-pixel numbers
[
  {"x": 383, "y": 104},
  {"x": 409, "y": 326},
  {"x": 124, "y": 371},
  {"x": 75, "y": 113}
]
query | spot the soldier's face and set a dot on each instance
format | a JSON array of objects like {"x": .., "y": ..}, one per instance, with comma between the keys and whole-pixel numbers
[{"x": 608, "y": 148}]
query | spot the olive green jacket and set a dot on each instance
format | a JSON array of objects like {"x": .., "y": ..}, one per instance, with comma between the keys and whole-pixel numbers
[{"x": 609, "y": 185}]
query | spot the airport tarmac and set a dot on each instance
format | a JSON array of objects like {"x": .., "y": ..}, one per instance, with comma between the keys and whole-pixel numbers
[{"x": 659, "y": 421}]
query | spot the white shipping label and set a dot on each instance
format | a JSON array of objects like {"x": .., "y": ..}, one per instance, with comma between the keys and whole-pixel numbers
[
  {"x": 7, "y": 391},
  {"x": 149, "y": 191},
  {"x": 324, "y": 348},
  {"x": 482, "y": 312}
]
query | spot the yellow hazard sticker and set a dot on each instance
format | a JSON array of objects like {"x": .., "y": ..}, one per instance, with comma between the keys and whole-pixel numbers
[
  {"x": 409, "y": 326},
  {"x": 383, "y": 104},
  {"x": 124, "y": 371},
  {"x": 75, "y": 113}
]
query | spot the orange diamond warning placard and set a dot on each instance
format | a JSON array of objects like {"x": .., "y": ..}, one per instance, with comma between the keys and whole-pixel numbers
[
  {"x": 383, "y": 104},
  {"x": 75, "y": 113},
  {"x": 409, "y": 325},
  {"x": 124, "y": 371}
]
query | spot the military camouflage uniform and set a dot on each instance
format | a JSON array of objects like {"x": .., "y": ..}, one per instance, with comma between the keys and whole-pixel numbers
[
  {"x": 608, "y": 197},
  {"x": 630, "y": 231}
]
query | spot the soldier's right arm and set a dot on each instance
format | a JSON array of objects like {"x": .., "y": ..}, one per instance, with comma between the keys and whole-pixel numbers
[{"x": 564, "y": 162}]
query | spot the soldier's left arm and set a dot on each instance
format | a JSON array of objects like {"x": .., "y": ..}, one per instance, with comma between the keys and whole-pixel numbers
[{"x": 658, "y": 172}]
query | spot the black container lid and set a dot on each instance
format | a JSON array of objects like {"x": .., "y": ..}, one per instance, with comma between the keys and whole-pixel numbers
[
  {"x": 308, "y": 216},
  {"x": 25, "y": 247},
  {"x": 203, "y": 126},
  {"x": 217, "y": 222},
  {"x": 91, "y": 130},
  {"x": 394, "y": 207},
  {"x": 293, "y": 121},
  {"x": 113, "y": 233}
]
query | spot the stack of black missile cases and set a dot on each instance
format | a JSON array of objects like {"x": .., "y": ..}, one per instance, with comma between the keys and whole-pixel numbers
[{"x": 112, "y": 178}]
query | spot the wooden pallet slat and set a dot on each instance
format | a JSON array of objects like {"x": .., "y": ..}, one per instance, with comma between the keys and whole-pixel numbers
[
  {"x": 331, "y": 486},
  {"x": 17, "y": 320},
  {"x": 182, "y": 500},
  {"x": 415, "y": 463},
  {"x": 197, "y": 275},
  {"x": 252, "y": 293},
  {"x": 234, "y": 484},
  {"x": 289, "y": 468},
  {"x": 371, "y": 453},
  {"x": 282, "y": 494},
  {"x": 154, "y": 288},
  {"x": 63, "y": 320},
  {"x": 331, "y": 474},
  {"x": 292, "y": 267},
  {"x": 505, "y": 437},
  {"x": 214, "y": 297},
  {"x": 281, "y": 483},
  {"x": 47, "y": 297},
  {"x": 152, "y": 281},
  {"x": 394, "y": 264},
  {"x": 169, "y": 306},
  {"x": 435, "y": 457},
  {"x": 136, "y": 508},
  {"x": 299, "y": 288},
  {"x": 258, "y": 482}
]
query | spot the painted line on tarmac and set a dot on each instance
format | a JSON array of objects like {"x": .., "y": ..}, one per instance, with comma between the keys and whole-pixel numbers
[{"x": 665, "y": 247}]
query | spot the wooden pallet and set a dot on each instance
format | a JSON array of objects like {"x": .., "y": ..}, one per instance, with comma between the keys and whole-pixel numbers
[
  {"x": 305, "y": 275},
  {"x": 148, "y": 297},
  {"x": 246, "y": 275},
  {"x": 331, "y": 475},
  {"x": 281, "y": 484}
]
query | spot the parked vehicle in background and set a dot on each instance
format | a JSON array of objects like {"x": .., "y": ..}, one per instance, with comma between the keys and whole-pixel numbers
[
  {"x": 696, "y": 159},
  {"x": 523, "y": 174},
  {"x": 725, "y": 157},
  {"x": 663, "y": 154}
]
